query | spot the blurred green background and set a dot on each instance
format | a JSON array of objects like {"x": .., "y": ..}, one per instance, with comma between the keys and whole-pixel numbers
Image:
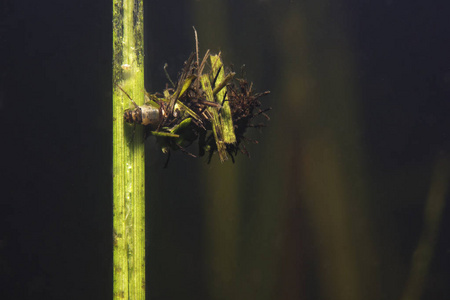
[
  {"x": 332, "y": 203},
  {"x": 344, "y": 196}
]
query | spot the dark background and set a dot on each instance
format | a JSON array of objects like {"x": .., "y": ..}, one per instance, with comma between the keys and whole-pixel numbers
[{"x": 331, "y": 201}]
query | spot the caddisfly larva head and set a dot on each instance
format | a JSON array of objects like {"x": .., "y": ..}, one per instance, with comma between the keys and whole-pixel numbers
[
  {"x": 133, "y": 116},
  {"x": 143, "y": 115}
]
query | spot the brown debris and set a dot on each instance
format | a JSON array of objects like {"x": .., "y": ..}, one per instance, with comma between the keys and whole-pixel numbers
[{"x": 176, "y": 105}]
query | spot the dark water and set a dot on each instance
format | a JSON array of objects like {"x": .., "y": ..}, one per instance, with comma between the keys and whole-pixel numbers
[{"x": 348, "y": 181}]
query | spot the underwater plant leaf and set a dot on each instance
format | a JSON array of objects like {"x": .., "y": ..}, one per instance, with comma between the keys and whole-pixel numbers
[
  {"x": 215, "y": 120},
  {"x": 225, "y": 118},
  {"x": 164, "y": 134},
  {"x": 187, "y": 83}
]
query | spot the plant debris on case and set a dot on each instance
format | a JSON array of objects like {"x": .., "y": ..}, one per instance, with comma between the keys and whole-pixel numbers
[{"x": 208, "y": 104}]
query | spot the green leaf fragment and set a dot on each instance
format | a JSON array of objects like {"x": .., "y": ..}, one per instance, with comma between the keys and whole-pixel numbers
[
  {"x": 187, "y": 83},
  {"x": 215, "y": 121},
  {"x": 164, "y": 134},
  {"x": 183, "y": 125},
  {"x": 219, "y": 86},
  {"x": 181, "y": 89},
  {"x": 178, "y": 136},
  {"x": 180, "y": 105},
  {"x": 225, "y": 119}
]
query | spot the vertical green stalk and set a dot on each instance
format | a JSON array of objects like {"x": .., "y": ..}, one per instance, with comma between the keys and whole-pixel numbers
[{"x": 128, "y": 152}]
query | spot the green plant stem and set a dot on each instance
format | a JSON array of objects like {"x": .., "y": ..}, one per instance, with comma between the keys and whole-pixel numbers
[{"x": 128, "y": 153}]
